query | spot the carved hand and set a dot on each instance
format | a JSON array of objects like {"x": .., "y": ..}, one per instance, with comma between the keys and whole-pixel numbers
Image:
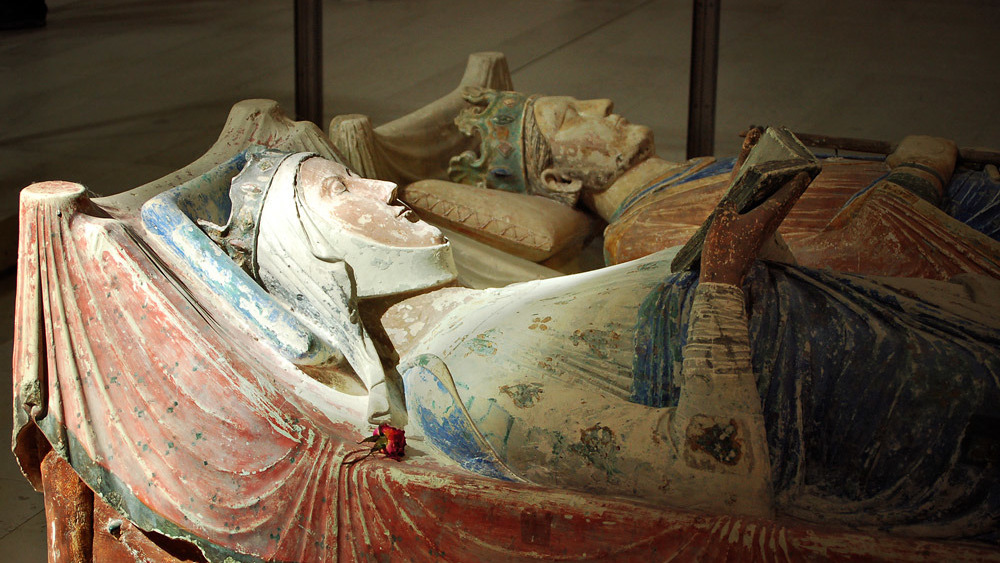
[{"x": 735, "y": 239}]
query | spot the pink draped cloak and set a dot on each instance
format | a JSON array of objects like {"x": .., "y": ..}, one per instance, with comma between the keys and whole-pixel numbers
[{"x": 187, "y": 426}]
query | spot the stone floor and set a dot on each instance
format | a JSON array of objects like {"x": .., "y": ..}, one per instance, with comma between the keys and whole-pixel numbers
[{"x": 115, "y": 94}]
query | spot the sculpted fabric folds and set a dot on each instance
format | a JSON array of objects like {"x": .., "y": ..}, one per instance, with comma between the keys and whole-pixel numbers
[
  {"x": 183, "y": 393},
  {"x": 878, "y": 422},
  {"x": 166, "y": 421},
  {"x": 248, "y": 463},
  {"x": 974, "y": 199}
]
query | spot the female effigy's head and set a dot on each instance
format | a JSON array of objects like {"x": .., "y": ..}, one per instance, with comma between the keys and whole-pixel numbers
[
  {"x": 366, "y": 208},
  {"x": 553, "y": 146},
  {"x": 359, "y": 221},
  {"x": 339, "y": 217}
]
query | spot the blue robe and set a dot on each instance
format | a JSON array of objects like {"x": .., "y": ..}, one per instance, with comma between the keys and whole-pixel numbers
[{"x": 880, "y": 408}]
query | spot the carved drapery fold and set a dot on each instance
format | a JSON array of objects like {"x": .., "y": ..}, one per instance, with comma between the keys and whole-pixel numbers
[
  {"x": 226, "y": 445},
  {"x": 187, "y": 427}
]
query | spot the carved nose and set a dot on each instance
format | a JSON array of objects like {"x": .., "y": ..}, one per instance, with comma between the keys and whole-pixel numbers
[
  {"x": 599, "y": 108},
  {"x": 381, "y": 190}
]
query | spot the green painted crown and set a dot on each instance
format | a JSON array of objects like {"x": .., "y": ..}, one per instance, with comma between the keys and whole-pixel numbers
[{"x": 498, "y": 118}]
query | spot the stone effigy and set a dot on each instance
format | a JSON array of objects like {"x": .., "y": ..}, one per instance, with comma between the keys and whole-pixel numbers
[
  {"x": 920, "y": 211},
  {"x": 206, "y": 363},
  {"x": 576, "y": 151}
]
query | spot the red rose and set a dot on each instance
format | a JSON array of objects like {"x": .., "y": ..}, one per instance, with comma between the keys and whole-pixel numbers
[
  {"x": 386, "y": 439},
  {"x": 395, "y": 440}
]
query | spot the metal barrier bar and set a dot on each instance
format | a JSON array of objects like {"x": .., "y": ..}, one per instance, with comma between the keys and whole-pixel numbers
[
  {"x": 309, "y": 61},
  {"x": 704, "y": 77}
]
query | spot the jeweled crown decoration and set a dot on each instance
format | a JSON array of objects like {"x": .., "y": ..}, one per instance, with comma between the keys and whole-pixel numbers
[{"x": 498, "y": 117}]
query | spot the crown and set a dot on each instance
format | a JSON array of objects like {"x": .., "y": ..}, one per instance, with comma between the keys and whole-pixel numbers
[
  {"x": 247, "y": 193},
  {"x": 498, "y": 117}
]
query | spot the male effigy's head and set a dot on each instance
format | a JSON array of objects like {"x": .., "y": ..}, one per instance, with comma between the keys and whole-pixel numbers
[{"x": 554, "y": 146}]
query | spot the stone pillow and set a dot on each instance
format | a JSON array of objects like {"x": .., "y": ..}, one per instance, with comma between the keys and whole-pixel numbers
[{"x": 530, "y": 227}]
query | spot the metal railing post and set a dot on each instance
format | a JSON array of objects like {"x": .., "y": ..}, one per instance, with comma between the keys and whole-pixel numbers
[
  {"x": 704, "y": 77},
  {"x": 309, "y": 61}
]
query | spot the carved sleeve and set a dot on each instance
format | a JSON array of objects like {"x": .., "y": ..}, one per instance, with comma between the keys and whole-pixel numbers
[
  {"x": 718, "y": 345},
  {"x": 719, "y": 425}
]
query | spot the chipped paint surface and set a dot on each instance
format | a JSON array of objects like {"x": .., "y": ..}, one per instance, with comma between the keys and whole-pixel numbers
[
  {"x": 524, "y": 395},
  {"x": 255, "y": 442},
  {"x": 719, "y": 439},
  {"x": 542, "y": 384},
  {"x": 599, "y": 445},
  {"x": 833, "y": 226},
  {"x": 603, "y": 340},
  {"x": 483, "y": 344},
  {"x": 168, "y": 217},
  {"x": 577, "y": 359},
  {"x": 175, "y": 411}
]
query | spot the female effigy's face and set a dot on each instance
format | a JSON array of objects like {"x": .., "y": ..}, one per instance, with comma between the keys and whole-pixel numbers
[
  {"x": 368, "y": 208},
  {"x": 588, "y": 141}
]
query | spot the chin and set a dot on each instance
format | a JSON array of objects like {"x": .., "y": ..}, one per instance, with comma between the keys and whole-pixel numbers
[
  {"x": 640, "y": 140},
  {"x": 636, "y": 144},
  {"x": 381, "y": 270}
]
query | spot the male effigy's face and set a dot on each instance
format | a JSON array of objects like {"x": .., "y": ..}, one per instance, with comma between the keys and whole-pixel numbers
[
  {"x": 588, "y": 142},
  {"x": 364, "y": 207}
]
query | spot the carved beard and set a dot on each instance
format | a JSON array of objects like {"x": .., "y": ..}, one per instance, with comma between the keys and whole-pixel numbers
[{"x": 636, "y": 145}]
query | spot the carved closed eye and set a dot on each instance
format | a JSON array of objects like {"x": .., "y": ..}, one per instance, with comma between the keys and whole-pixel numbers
[
  {"x": 334, "y": 185},
  {"x": 569, "y": 115},
  {"x": 560, "y": 114}
]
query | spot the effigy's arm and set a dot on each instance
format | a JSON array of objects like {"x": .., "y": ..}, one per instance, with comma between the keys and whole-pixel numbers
[{"x": 719, "y": 422}]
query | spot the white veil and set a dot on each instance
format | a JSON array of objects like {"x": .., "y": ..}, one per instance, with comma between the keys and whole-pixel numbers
[{"x": 303, "y": 259}]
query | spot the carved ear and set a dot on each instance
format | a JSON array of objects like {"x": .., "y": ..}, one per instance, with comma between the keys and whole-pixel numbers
[{"x": 561, "y": 187}]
